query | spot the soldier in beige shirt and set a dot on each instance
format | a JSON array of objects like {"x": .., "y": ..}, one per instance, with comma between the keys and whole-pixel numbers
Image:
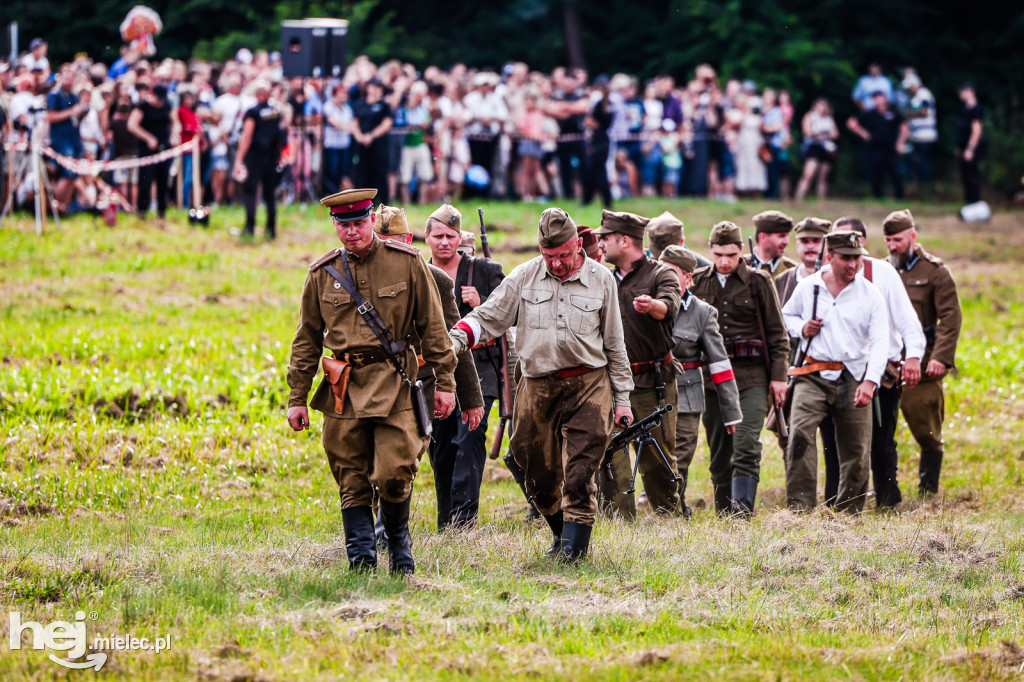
[{"x": 575, "y": 375}]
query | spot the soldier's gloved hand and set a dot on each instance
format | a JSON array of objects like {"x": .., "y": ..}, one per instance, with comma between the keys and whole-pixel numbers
[
  {"x": 621, "y": 412},
  {"x": 865, "y": 392},
  {"x": 472, "y": 417},
  {"x": 911, "y": 372},
  {"x": 444, "y": 404},
  {"x": 936, "y": 369},
  {"x": 298, "y": 418}
]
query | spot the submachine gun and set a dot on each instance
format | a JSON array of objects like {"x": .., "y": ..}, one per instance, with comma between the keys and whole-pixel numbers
[{"x": 639, "y": 435}]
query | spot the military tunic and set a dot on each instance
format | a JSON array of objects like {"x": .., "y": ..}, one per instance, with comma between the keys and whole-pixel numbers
[
  {"x": 648, "y": 341},
  {"x": 374, "y": 442},
  {"x": 739, "y": 454},
  {"x": 774, "y": 268},
  {"x": 698, "y": 340},
  {"x": 932, "y": 291},
  {"x": 561, "y": 422}
]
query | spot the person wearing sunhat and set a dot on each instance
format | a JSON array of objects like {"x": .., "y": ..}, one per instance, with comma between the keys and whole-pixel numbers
[
  {"x": 757, "y": 344},
  {"x": 576, "y": 378},
  {"x": 932, "y": 290},
  {"x": 648, "y": 296},
  {"x": 698, "y": 343},
  {"x": 846, "y": 339},
  {"x": 771, "y": 237},
  {"x": 372, "y": 438}
]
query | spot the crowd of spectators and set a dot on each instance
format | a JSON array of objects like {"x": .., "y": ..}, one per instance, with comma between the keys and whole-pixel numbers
[{"x": 437, "y": 135}]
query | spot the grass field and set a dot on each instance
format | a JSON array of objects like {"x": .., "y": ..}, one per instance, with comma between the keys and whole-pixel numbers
[{"x": 148, "y": 479}]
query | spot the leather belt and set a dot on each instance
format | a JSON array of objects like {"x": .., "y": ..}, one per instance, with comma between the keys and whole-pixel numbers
[
  {"x": 572, "y": 372},
  {"x": 743, "y": 348},
  {"x": 648, "y": 365},
  {"x": 371, "y": 357},
  {"x": 811, "y": 366},
  {"x": 696, "y": 364}
]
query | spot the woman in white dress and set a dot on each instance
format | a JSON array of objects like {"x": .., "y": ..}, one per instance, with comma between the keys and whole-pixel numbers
[
  {"x": 818, "y": 148},
  {"x": 751, "y": 174}
]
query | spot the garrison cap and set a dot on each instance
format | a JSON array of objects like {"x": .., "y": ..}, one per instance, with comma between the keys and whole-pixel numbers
[
  {"x": 621, "y": 222},
  {"x": 556, "y": 227},
  {"x": 350, "y": 204},
  {"x": 816, "y": 228},
  {"x": 663, "y": 231},
  {"x": 725, "y": 233},
  {"x": 898, "y": 221},
  {"x": 391, "y": 221},
  {"x": 468, "y": 240},
  {"x": 677, "y": 255},
  {"x": 772, "y": 221},
  {"x": 448, "y": 215},
  {"x": 846, "y": 242}
]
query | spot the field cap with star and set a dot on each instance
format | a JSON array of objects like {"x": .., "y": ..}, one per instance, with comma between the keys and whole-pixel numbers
[
  {"x": 816, "y": 228},
  {"x": 680, "y": 257},
  {"x": 622, "y": 222},
  {"x": 772, "y": 221},
  {"x": 391, "y": 221},
  {"x": 845, "y": 242},
  {"x": 725, "y": 233},
  {"x": 448, "y": 215},
  {"x": 898, "y": 221},
  {"x": 663, "y": 231}
]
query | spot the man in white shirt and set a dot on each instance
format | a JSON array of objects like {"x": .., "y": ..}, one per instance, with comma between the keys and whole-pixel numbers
[
  {"x": 906, "y": 339},
  {"x": 844, "y": 318}
]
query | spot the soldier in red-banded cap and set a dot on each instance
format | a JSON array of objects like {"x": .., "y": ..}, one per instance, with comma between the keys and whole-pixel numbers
[{"x": 372, "y": 439}]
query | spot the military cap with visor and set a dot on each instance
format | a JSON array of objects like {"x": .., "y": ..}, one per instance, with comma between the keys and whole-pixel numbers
[
  {"x": 622, "y": 222},
  {"x": 845, "y": 242},
  {"x": 350, "y": 204},
  {"x": 816, "y": 228}
]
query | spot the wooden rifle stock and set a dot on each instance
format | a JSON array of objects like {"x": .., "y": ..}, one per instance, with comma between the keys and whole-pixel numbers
[{"x": 505, "y": 390}]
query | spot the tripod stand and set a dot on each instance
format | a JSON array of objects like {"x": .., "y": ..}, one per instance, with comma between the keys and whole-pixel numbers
[{"x": 32, "y": 163}]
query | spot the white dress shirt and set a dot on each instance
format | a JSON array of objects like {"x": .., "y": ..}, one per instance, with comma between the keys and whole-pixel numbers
[
  {"x": 854, "y": 328},
  {"x": 904, "y": 325}
]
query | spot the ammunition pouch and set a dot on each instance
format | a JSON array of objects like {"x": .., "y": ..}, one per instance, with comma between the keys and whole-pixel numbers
[{"x": 744, "y": 348}]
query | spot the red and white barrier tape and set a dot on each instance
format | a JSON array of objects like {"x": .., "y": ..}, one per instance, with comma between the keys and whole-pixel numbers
[{"x": 86, "y": 167}]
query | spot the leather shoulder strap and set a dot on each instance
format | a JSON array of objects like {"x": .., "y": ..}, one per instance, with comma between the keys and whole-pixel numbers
[
  {"x": 400, "y": 246},
  {"x": 868, "y": 270}
]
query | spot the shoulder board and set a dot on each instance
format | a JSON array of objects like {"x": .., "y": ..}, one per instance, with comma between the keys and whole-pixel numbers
[
  {"x": 935, "y": 260},
  {"x": 399, "y": 246},
  {"x": 325, "y": 259}
]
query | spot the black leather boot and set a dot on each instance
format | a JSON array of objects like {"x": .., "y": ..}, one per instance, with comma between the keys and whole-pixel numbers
[
  {"x": 556, "y": 524},
  {"x": 395, "y": 516},
  {"x": 575, "y": 542},
  {"x": 744, "y": 489},
  {"x": 683, "y": 507},
  {"x": 380, "y": 535},
  {"x": 931, "y": 467},
  {"x": 531, "y": 513},
  {"x": 359, "y": 540},
  {"x": 723, "y": 502}
]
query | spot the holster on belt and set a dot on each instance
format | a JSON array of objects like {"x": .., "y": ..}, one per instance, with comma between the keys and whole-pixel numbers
[
  {"x": 744, "y": 348},
  {"x": 891, "y": 375},
  {"x": 337, "y": 373}
]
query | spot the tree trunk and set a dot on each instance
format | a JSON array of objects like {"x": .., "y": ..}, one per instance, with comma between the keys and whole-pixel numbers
[{"x": 573, "y": 34}]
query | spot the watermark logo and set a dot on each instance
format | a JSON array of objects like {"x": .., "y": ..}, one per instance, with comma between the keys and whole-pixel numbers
[{"x": 71, "y": 637}]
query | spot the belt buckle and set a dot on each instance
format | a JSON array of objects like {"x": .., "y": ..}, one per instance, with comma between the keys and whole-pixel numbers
[
  {"x": 364, "y": 308},
  {"x": 356, "y": 359}
]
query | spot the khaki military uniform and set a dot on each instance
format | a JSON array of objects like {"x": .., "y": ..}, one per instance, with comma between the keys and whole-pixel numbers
[
  {"x": 575, "y": 370},
  {"x": 374, "y": 442},
  {"x": 932, "y": 291},
  {"x": 740, "y": 454}
]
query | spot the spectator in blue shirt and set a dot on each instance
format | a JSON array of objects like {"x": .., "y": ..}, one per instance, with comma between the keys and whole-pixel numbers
[{"x": 870, "y": 83}]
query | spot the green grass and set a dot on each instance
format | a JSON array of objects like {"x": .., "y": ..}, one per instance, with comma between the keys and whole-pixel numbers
[{"x": 147, "y": 475}]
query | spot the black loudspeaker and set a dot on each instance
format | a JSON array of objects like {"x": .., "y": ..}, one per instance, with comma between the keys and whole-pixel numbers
[{"x": 314, "y": 47}]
